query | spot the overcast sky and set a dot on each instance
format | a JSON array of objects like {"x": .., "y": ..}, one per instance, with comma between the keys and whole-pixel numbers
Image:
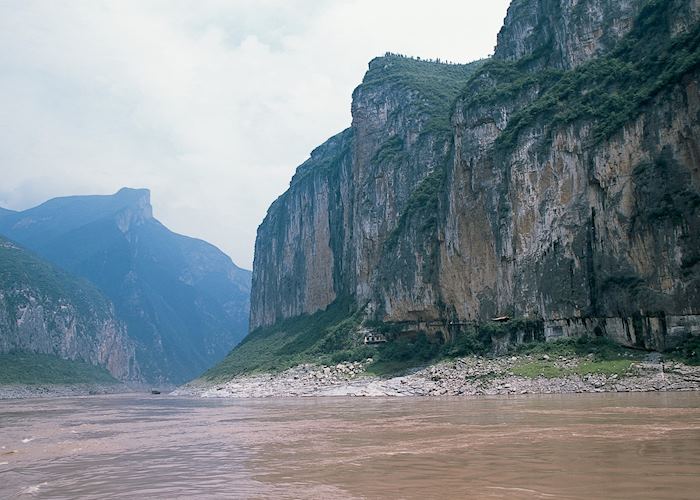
[{"x": 211, "y": 104}]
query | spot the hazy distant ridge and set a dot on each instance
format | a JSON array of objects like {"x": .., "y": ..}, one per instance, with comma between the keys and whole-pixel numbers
[{"x": 184, "y": 302}]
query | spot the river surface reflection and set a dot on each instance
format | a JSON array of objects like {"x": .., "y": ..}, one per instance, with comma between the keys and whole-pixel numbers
[{"x": 568, "y": 446}]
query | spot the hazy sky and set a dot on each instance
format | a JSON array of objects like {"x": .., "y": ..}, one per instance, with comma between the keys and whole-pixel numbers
[{"x": 211, "y": 104}]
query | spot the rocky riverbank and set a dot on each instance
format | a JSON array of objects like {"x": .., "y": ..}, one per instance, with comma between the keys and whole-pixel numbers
[
  {"x": 471, "y": 376},
  {"x": 20, "y": 391}
]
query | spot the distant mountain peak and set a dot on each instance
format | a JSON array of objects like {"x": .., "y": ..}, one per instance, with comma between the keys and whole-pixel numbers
[
  {"x": 137, "y": 193},
  {"x": 183, "y": 301},
  {"x": 140, "y": 198},
  {"x": 137, "y": 207}
]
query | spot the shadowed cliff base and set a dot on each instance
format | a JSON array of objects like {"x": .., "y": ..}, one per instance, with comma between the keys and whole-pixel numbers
[{"x": 338, "y": 335}]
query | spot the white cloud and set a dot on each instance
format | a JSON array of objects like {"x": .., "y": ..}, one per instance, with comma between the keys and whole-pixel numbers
[{"x": 211, "y": 104}]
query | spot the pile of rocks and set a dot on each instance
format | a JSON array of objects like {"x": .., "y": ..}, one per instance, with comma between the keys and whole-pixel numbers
[
  {"x": 302, "y": 380},
  {"x": 477, "y": 376},
  {"x": 470, "y": 376}
]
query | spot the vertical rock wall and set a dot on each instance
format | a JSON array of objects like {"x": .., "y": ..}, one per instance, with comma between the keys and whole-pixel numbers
[{"x": 509, "y": 209}]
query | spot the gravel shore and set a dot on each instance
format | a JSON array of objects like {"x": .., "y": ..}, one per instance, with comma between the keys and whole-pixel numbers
[
  {"x": 68, "y": 390},
  {"x": 471, "y": 376}
]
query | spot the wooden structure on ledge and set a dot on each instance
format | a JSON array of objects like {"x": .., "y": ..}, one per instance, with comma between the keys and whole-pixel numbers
[{"x": 374, "y": 338}]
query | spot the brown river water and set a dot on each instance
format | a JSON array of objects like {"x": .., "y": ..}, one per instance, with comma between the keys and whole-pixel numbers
[{"x": 140, "y": 447}]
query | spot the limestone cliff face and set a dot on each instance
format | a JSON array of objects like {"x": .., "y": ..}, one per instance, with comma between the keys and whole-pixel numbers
[
  {"x": 326, "y": 236},
  {"x": 564, "y": 33},
  {"x": 564, "y": 187},
  {"x": 623, "y": 212},
  {"x": 301, "y": 260},
  {"x": 396, "y": 147},
  {"x": 564, "y": 223},
  {"x": 44, "y": 310}
]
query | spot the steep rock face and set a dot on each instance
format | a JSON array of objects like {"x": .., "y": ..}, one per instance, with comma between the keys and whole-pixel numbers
[
  {"x": 301, "y": 248},
  {"x": 564, "y": 33},
  {"x": 45, "y": 310},
  {"x": 400, "y": 139},
  {"x": 324, "y": 238},
  {"x": 573, "y": 224},
  {"x": 564, "y": 189},
  {"x": 185, "y": 304}
]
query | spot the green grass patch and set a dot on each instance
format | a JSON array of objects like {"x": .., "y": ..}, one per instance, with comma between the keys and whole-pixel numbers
[
  {"x": 601, "y": 348},
  {"x": 606, "y": 358},
  {"x": 534, "y": 369},
  {"x": 30, "y": 368},
  {"x": 606, "y": 367},
  {"x": 549, "y": 369},
  {"x": 329, "y": 337},
  {"x": 325, "y": 337}
]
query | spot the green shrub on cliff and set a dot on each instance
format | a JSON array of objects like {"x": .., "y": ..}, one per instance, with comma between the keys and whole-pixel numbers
[
  {"x": 467, "y": 342},
  {"x": 422, "y": 208},
  {"x": 688, "y": 352},
  {"x": 406, "y": 352},
  {"x": 31, "y": 368},
  {"x": 391, "y": 151},
  {"x": 438, "y": 84},
  {"x": 607, "y": 91}
]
